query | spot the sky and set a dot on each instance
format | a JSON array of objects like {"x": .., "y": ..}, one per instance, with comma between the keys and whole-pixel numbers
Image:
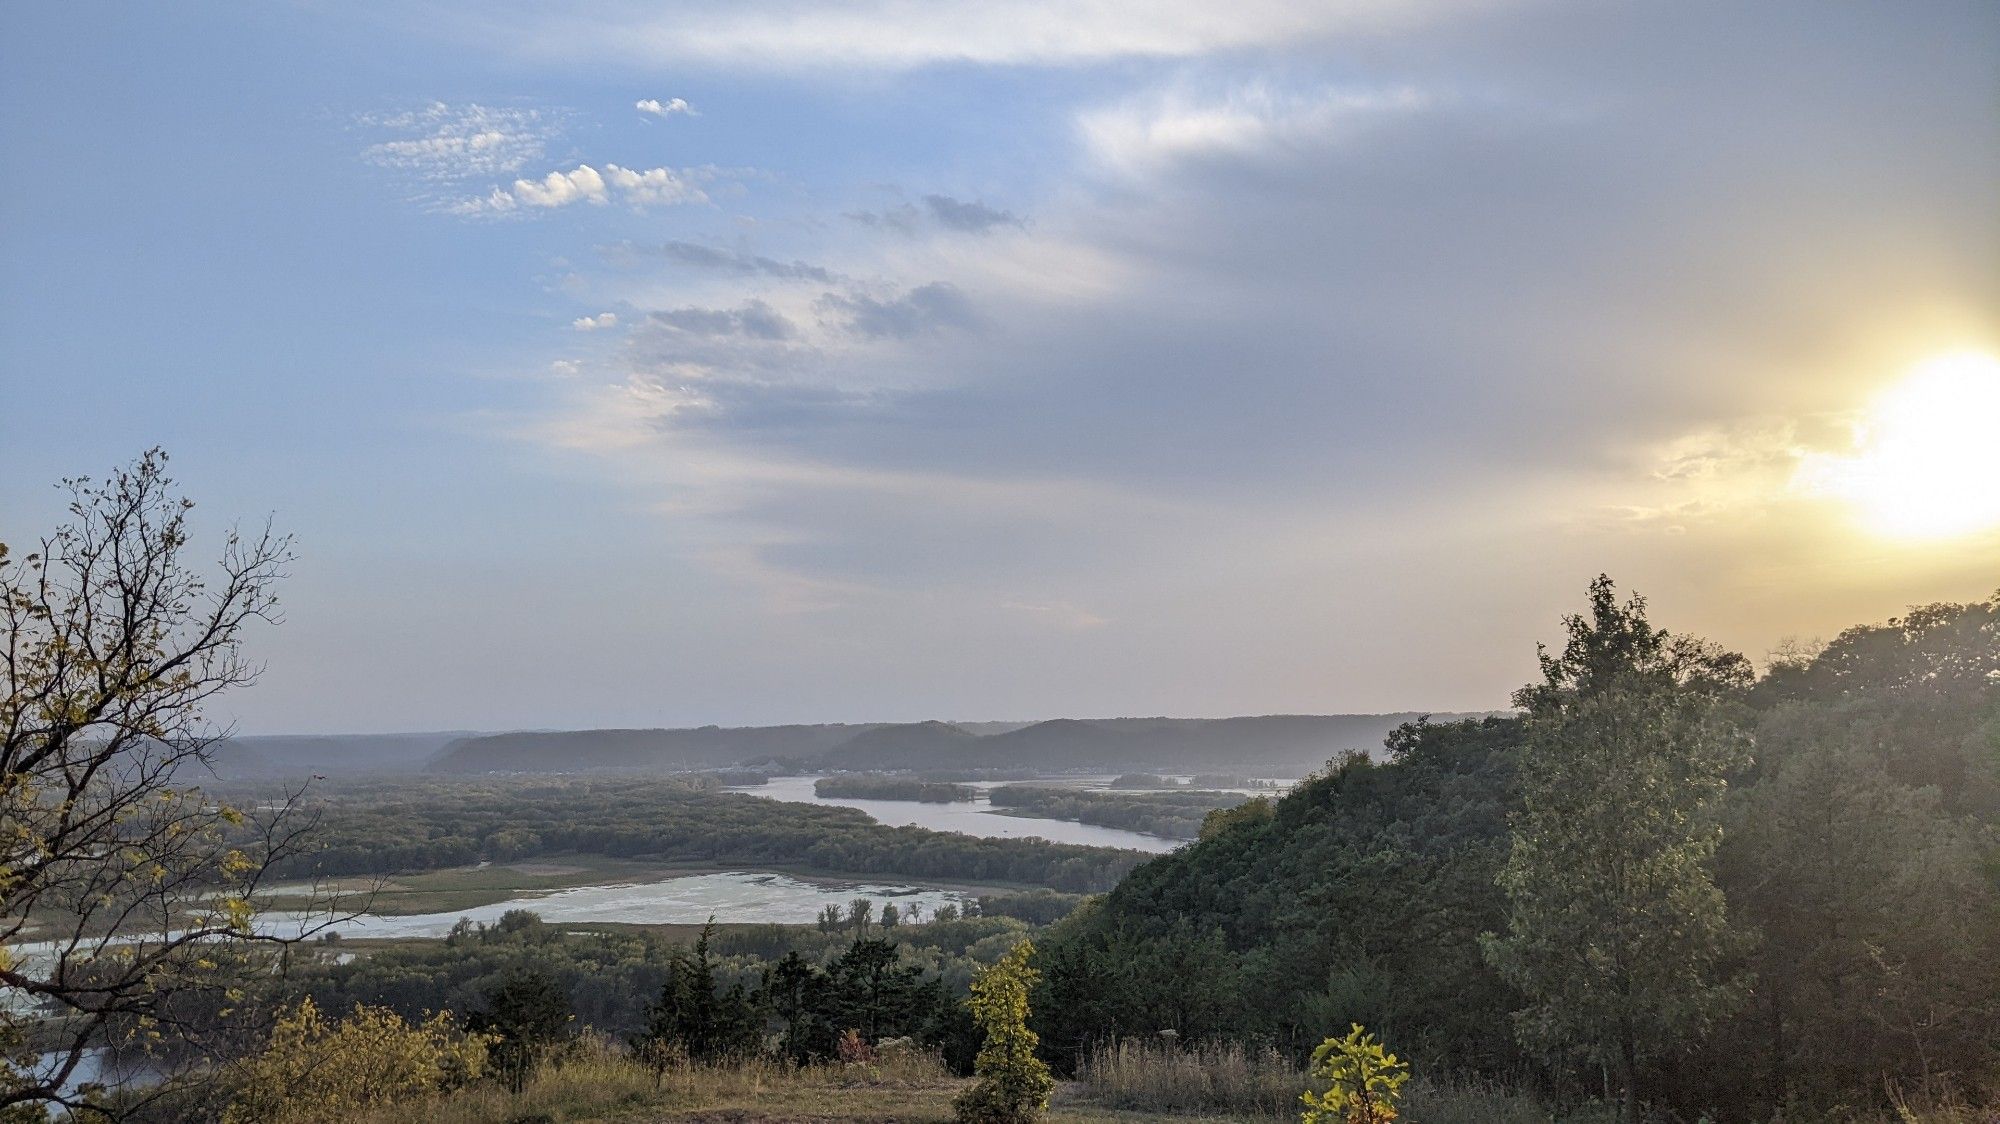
[{"x": 849, "y": 360}]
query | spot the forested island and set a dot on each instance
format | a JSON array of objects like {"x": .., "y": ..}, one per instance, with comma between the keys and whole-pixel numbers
[
  {"x": 1176, "y": 814},
  {"x": 876, "y": 786},
  {"x": 388, "y": 827}
]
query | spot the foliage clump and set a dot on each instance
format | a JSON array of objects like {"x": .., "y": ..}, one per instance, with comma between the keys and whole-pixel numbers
[
  {"x": 529, "y": 1018},
  {"x": 135, "y": 882},
  {"x": 1013, "y": 1084},
  {"x": 322, "y": 1070},
  {"x": 1617, "y": 932},
  {"x": 694, "y": 1018},
  {"x": 1365, "y": 1081}
]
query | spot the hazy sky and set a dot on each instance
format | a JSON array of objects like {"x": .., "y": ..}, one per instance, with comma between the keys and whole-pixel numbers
[{"x": 668, "y": 363}]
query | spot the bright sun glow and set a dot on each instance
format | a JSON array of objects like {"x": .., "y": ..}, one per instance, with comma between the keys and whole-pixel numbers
[{"x": 1926, "y": 460}]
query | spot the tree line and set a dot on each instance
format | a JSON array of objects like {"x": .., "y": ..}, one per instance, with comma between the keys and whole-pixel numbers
[
  {"x": 1175, "y": 814},
  {"x": 1668, "y": 881},
  {"x": 876, "y": 786}
]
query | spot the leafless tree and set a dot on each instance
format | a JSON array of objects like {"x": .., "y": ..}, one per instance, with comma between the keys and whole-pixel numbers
[{"x": 126, "y": 891}]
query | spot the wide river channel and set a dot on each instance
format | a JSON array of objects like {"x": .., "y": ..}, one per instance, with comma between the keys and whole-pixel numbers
[
  {"x": 736, "y": 896},
  {"x": 975, "y": 817}
]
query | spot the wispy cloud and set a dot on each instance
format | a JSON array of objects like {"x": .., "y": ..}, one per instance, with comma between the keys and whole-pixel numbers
[
  {"x": 974, "y": 217},
  {"x": 443, "y": 143},
  {"x": 924, "y": 308},
  {"x": 897, "y": 35},
  {"x": 725, "y": 261},
  {"x": 595, "y": 323},
  {"x": 940, "y": 210},
  {"x": 1164, "y": 127},
  {"x": 754, "y": 320}
]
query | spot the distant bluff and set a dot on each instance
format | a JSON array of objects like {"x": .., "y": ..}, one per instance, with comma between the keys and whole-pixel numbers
[{"x": 1285, "y": 745}]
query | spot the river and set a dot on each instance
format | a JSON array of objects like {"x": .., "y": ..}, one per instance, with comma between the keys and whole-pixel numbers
[{"x": 975, "y": 817}]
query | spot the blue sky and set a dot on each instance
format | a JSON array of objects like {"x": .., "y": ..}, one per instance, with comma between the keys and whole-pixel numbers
[{"x": 992, "y": 360}]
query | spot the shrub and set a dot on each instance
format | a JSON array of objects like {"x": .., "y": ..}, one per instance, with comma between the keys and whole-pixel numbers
[
  {"x": 318, "y": 1070},
  {"x": 1013, "y": 1085},
  {"x": 1364, "y": 1081}
]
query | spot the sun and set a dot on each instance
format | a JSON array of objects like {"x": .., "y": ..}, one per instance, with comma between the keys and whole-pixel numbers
[{"x": 1926, "y": 460}]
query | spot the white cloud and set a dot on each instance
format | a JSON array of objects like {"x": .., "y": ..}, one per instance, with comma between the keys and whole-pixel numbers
[
  {"x": 1172, "y": 126},
  {"x": 585, "y": 184},
  {"x": 668, "y": 108},
  {"x": 560, "y": 189},
  {"x": 594, "y": 323},
  {"x": 655, "y": 185},
  {"x": 445, "y": 143},
  {"x": 904, "y": 34}
]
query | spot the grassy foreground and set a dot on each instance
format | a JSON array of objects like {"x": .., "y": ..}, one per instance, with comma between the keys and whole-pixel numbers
[
  {"x": 608, "y": 1088},
  {"x": 602, "y": 1086}
]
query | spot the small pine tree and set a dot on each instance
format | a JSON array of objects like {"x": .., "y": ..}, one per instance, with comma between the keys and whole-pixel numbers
[
  {"x": 695, "y": 1019},
  {"x": 1014, "y": 1085},
  {"x": 1364, "y": 1080},
  {"x": 528, "y": 1016}
]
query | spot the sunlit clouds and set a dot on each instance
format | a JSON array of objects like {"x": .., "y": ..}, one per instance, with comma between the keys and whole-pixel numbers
[
  {"x": 585, "y": 184},
  {"x": 885, "y": 358}
]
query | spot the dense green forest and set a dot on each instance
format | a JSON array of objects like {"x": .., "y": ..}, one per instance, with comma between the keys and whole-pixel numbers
[
  {"x": 1774, "y": 896},
  {"x": 1733, "y": 895},
  {"x": 409, "y": 825},
  {"x": 612, "y": 979},
  {"x": 1175, "y": 813}
]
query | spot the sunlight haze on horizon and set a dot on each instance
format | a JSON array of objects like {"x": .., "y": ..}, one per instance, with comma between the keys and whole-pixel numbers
[{"x": 683, "y": 363}]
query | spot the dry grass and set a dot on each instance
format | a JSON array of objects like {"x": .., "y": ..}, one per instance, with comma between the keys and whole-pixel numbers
[
  {"x": 1483, "y": 1102},
  {"x": 1127, "y": 1084},
  {"x": 1942, "y": 1107},
  {"x": 1161, "y": 1079},
  {"x": 1157, "y": 1077},
  {"x": 599, "y": 1083}
]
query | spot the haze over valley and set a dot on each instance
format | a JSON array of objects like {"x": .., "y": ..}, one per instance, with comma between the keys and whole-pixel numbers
[{"x": 1000, "y": 562}]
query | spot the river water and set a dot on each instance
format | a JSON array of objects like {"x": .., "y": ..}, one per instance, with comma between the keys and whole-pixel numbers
[
  {"x": 752, "y": 897},
  {"x": 967, "y": 818},
  {"x": 740, "y": 896}
]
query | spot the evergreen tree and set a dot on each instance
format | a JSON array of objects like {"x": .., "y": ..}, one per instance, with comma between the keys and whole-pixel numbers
[
  {"x": 1617, "y": 933},
  {"x": 870, "y": 989},
  {"x": 794, "y": 993},
  {"x": 528, "y": 1016},
  {"x": 694, "y": 1017}
]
